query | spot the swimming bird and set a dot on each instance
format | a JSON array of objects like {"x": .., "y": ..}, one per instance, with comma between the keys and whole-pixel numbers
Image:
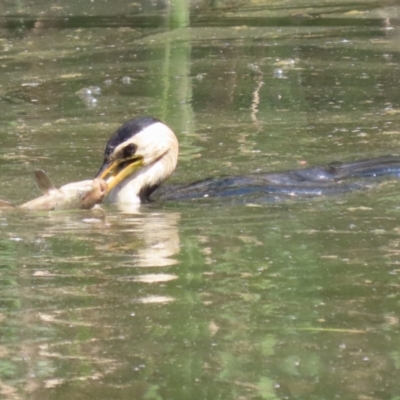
[{"x": 143, "y": 153}]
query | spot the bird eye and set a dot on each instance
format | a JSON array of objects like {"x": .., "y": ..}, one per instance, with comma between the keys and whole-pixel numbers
[{"x": 129, "y": 151}]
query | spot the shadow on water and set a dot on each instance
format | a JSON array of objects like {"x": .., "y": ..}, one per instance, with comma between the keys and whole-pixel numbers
[
  {"x": 200, "y": 299},
  {"x": 15, "y": 23}
]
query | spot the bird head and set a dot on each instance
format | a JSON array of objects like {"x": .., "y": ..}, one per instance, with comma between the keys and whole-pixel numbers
[{"x": 138, "y": 157}]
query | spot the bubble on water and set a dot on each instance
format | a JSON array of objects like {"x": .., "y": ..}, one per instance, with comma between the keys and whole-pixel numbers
[
  {"x": 126, "y": 80},
  {"x": 279, "y": 74},
  {"x": 87, "y": 95}
]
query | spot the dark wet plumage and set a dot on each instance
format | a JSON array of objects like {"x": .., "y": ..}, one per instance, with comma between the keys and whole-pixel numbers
[{"x": 334, "y": 178}]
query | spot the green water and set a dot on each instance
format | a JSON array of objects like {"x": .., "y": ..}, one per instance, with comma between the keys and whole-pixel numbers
[{"x": 208, "y": 299}]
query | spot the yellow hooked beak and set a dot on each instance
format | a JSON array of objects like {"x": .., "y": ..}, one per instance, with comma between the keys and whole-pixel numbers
[{"x": 116, "y": 171}]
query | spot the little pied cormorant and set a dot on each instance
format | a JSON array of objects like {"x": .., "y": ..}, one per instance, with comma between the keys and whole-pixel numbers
[{"x": 143, "y": 153}]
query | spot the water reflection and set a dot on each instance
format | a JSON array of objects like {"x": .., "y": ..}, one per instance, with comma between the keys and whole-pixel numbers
[
  {"x": 156, "y": 231},
  {"x": 73, "y": 271},
  {"x": 152, "y": 237}
]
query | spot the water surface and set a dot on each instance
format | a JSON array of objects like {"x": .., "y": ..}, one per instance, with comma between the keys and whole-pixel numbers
[{"x": 205, "y": 299}]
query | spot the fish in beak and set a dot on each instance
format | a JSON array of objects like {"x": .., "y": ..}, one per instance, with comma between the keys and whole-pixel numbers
[{"x": 76, "y": 195}]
